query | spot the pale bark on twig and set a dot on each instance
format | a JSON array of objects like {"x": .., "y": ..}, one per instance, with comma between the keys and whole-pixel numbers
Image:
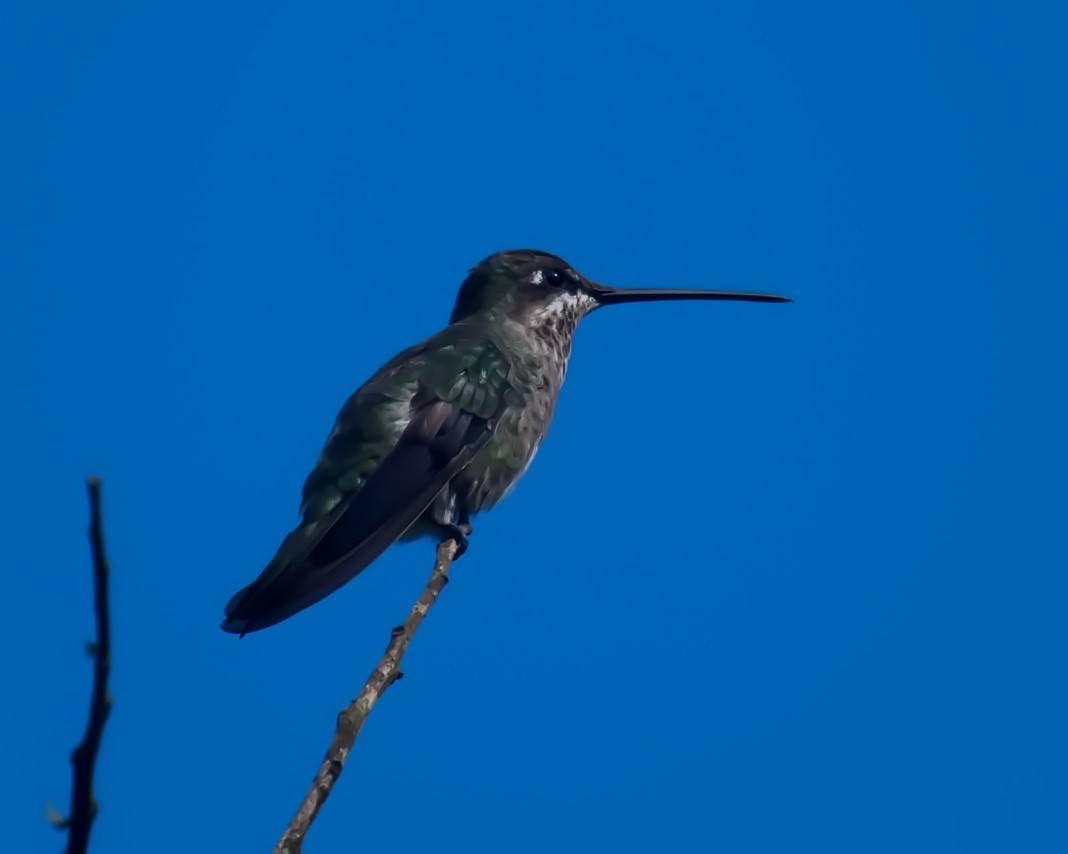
[
  {"x": 351, "y": 719},
  {"x": 83, "y": 759}
]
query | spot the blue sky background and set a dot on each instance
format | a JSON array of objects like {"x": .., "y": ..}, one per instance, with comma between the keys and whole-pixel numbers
[{"x": 783, "y": 578}]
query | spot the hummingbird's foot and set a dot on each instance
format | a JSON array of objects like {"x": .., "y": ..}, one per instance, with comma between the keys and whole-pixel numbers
[
  {"x": 459, "y": 534},
  {"x": 463, "y": 522}
]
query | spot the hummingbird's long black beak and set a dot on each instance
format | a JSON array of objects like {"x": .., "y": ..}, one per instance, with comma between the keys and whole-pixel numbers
[{"x": 611, "y": 296}]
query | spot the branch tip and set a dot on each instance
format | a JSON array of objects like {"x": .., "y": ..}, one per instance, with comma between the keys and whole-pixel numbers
[
  {"x": 350, "y": 720},
  {"x": 83, "y": 806}
]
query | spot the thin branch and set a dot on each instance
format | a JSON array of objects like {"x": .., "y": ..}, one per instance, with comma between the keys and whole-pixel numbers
[
  {"x": 351, "y": 719},
  {"x": 83, "y": 759}
]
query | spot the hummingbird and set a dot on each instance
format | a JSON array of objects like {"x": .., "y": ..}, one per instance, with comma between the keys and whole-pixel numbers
[{"x": 442, "y": 431}]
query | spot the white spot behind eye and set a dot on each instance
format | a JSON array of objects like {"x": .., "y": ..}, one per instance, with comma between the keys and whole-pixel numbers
[{"x": 537, "y": 278}]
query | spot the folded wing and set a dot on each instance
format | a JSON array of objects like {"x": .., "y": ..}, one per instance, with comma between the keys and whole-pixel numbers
[{"x": 438, "y": 443}]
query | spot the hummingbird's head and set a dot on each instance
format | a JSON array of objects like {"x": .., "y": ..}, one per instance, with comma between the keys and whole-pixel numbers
[
  {"x": 532, "y": 286},
  {"x": 519, "y": 282}
]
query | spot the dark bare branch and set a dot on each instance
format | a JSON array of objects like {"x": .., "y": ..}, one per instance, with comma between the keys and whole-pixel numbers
[
  {"x": 83, "y": 759},
  {"x": 352, "y": 717}
]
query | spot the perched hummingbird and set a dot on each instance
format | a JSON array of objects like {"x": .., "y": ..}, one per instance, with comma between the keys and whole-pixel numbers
[{"x": 442, "y": 431}]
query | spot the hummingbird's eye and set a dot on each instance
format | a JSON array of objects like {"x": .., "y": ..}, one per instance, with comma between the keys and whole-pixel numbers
[{"x": 556, "y": 278}]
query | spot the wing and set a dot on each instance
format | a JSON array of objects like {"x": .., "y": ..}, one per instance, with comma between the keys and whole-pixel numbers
[{"x": 351, "y": 515}]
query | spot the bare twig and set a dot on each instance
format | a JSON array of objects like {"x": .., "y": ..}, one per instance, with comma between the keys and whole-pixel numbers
[
  {"x": 352, "y": 717},
  {"x": 83, "y": 759}
]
